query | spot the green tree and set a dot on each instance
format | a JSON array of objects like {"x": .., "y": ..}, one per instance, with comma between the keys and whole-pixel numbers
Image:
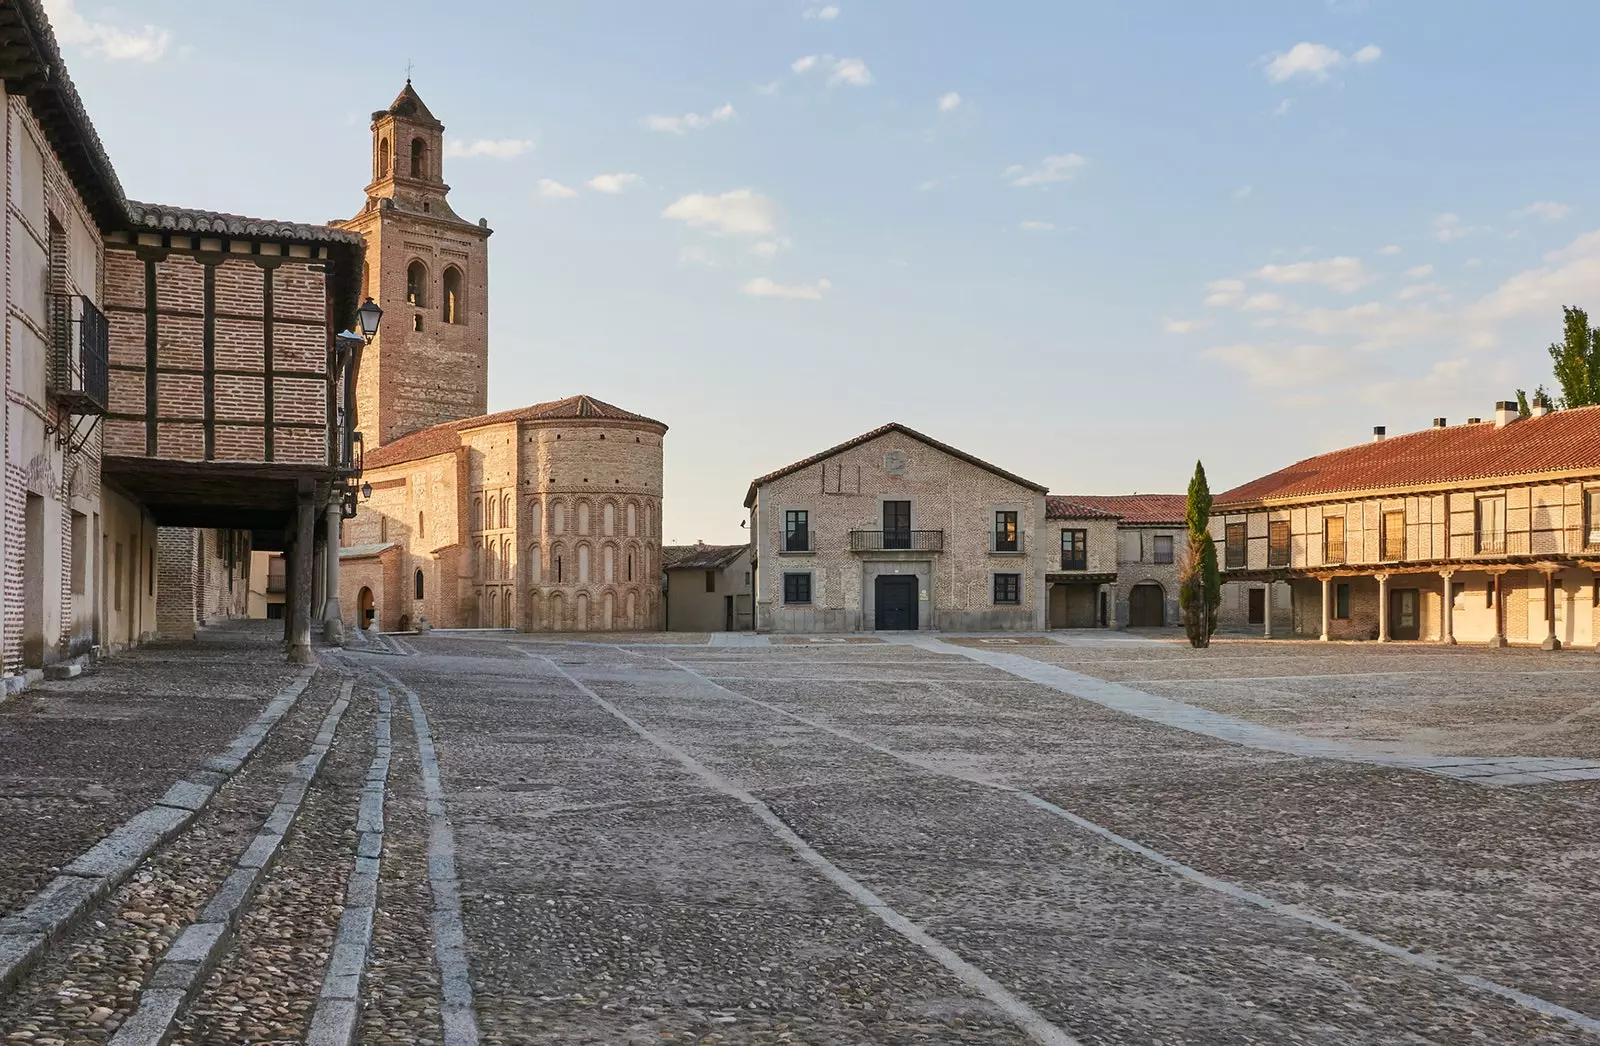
[
  {"x": 1524, "y": 408},
  {"x": 1200, "y": 587},
  {"x": 1576, "y": 360}
]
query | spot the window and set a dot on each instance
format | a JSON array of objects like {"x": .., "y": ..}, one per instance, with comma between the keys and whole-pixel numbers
[
  {"x": 1074, "y": 550},
  {"x": 416, "y": 323},
  {"x": 419, "y": 583},
  {"x": 1488, "y": 595},
  {"x": 417, "y": 285},
  {"x": 276, "y": 574},
  {"x": 383, "y": 157},
  {"x": 1163, "y": 550},
  {"x": 1008, "y": 589},
  {"x": 630, "y": 566},
  {"x": 421, "y": 530},
  {"x": 897, "y": 524},
  {"x": 1333, "y": 539},
  {"x": 711, "y": 581},
  {"x": 274, "y": 611},
  {"x": 454, "y": 303},
  {"x": 1492, "y": 525},
  {"x": 1592, "y": 507},
  {"x": 1341, "y": 602},
  {"x": 796, "y": 588},
  {"x": 1233, "y": 545},
  {"x": 1394, "y": 535},
  {"x": 80, "y": 551},
  {"x": 1005, "y": 532},
  {"x": 419, "y": 158},
  {"x": 796, "y": 531},
  {"x": 1278, "y": 544},
  {"x": 1458, "y": 589},
  {"x": 557, "y": 566}
]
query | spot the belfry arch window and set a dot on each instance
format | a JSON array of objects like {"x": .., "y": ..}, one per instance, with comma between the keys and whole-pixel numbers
[
  {"x": 419, "y": 158},
  {"x": 383, "y": 157},
  {"x": 455, "y": 300},
  {"x": 419, "y": 583},
  {"x": 417, "y": 284}
]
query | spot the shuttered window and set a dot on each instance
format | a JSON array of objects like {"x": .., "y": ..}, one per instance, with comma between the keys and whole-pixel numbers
[
  {"x": 1278, "y": 544},
  {"x": 1394, "y": 535},
  {"x": 1333, "y": 539}
]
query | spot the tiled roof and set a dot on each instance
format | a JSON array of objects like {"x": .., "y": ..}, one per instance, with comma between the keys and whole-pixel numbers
[
  {"x": 371, "y": 548},
  {"x": 1151, "y": 509},
  {"x": 163, "y": 218},
  {"x": 408, "y": 104},
  {"x": 445, "y": 437},
  {"x": 882, "y": 430},
  {"x": 700, "y": 557},
  {"x": 1073, "y": 508},
  {"x": 1564, "y": 441}
]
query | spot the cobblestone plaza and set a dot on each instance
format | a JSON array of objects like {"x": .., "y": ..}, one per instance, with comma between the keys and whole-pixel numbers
[{"x": 491, "y": 837}]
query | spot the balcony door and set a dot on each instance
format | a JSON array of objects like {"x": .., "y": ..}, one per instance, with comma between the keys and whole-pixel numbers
[{"x": 897, "y": 525}]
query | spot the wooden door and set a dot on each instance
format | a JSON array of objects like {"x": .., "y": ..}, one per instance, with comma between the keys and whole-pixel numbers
[
  {"x": 1258, "y": 606},
  {"x": 1147, "y": 606},
  {"x": 1405, "y": 613}
]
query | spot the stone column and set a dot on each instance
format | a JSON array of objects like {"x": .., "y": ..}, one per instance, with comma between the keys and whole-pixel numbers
[
  {"x": 1383, "y": 608},
  {"x": 1550, "y": 640},
  {"x": 288, "y": 591},
  {"x": 1499, "y": 637},
  {"x": 1266, "y": 613},
  {"x": 1447, "y": 626},
  {"x": 300, "y": 567},
  {"x": 332, "y": 613},
  {"x": 1327, "y": 606}
]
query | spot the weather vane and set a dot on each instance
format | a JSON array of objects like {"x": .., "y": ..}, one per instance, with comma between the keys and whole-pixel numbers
[{"x": 408, "y": 70}]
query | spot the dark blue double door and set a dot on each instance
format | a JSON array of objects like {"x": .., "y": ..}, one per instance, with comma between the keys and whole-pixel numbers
[{"x": 895, "y": 603}]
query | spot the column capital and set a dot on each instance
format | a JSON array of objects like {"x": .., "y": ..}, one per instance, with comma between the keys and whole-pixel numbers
[
  {"x": 1447, "y": 574},
  {"x": 1382, "y": 579}
]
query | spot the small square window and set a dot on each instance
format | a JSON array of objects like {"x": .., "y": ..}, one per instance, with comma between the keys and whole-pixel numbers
[
  {"x": 1163, "y": 550},
  {"x": 796, "y": 588},
  {"x": 1008, "y": 589}
]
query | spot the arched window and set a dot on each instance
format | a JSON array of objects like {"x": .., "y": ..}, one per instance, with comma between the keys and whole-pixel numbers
[
  {"x": 419, "y": 158},
  {"x": 610, "y": 565},
  {"x": 633, "y": 519},
  {"x": 558, "y": 518},
  {"x": 422, "y": 531},
  {"x": 477, "y": 513},
  {"x": 533, "y": 518},
  {"x": 583, "y": 517},
  {"x": 383, "y": 157},
  {"x": 493, "y": 558},
  {"x": 455, "y": 300},
  {"x": 583, "y": 564},
  {"x": 494, "y": 504},
  {"x": 505, "y": 511},
  {"x": 419, "y": 582},
  {"x": 557, "y": 566},
  {"x": 608, "y": 519},
  {"x": 417, "y": 284},
  {"x": 533, "y": 564}
]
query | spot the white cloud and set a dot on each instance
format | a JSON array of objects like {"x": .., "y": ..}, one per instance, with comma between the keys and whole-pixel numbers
[
  {"x": 761, "y": 287},
  {"x": 690, "y": 121},
  {"x": 852, "y": 71},
  {"x": 1568, "y": 275},
  {"x": 770, "y": 248},
  {"x": 1272, "y": 366},
  {"x": 695, "y": 255},
  {"x": 1447, "y": 227},
  {"x": 1051, "y": 169},
  {"x": 1172, "y": 326},
  {"x": 1393, "y": 248},
  {"x": 823, "y": 14},
  {"x": 1243, "y": 192},
  {"x": 613, "y": 184},
  {"x": 1224, "y": 293},
  {"x": 1304, "y": 59},
  {"x": 1343, "y": 274},
  {"x": 928, "y": 185},
  {"x": 1549, "y": 210},
  {"x": 1417, "y": 290},
  {"x": 948, "y": 101},
  {"x": 1282, "y": 108},
  {"x": 805, "y": 64},
  {"x": 737, "y": 213},
  {"x": 555, "y": 190},
  {"x": 145, "y": 44},
  {"x": 1034, "y": 226},
  {"x": 494, "y": 148},
  {"x": 1368, "y": 54},
  {"x": 1473, "y": 263},
  {"x": 1263, "y": 303},
  {"x": 770, "y": 87},
  {"x": 1417, "y": 272},
  {"x": 1374, "y": 325}
]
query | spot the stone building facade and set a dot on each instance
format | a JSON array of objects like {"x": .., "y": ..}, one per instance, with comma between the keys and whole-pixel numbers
[
  {"x": 708, "y": 588},
  {"x": 895, "y": 530},
  {"x": 1082, "y": 572},
  {"x": 1484, "y": 532}
]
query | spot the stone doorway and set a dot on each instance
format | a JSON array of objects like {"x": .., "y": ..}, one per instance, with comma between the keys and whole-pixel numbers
[{"x": 895, "y": 603}]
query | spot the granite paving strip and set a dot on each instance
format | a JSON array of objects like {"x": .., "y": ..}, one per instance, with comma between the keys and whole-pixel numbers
[
  {"x": 187, "y": 962},
  {"x": 449, "y": 934},
  {"x": 26, "y": 934},
  {"x": 1417, "y": 959},
  {"x": 1023, "y": 1015},
  {"x": 1510, "y": 770},
  {"x": 333, "y": 1021}
]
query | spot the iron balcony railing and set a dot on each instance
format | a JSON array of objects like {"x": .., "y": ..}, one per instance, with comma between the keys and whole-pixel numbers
[
  {"x": 79, "y": 340},
  {"x": 897, "y": 541}
]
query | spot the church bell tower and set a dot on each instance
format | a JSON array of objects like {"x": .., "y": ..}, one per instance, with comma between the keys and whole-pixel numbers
[{"x": 429, "y": 269}]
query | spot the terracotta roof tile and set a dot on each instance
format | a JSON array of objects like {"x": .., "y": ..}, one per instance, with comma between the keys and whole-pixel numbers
[
  {"x": 1564, "y": 441},
  {"x": 445, "y": 437},
  {"x": 700, "y": 557},
  {"x": 1074, "y": 508},
  {"x": 882, "y": 430},
  {"x": 163, "y": 218},
  {"x": 1130, "y": 508}
]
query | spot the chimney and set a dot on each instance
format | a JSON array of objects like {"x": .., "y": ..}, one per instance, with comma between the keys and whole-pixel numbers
[
  {"x": 1540, "y": 407},
  {"x": 1438, "y": 423},
  {"x": 1378, "y": 432},
  {"x": 1505, "y": 412}
]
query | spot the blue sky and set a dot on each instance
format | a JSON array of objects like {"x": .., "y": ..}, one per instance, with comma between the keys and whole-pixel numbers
[{"x": 1089, "y": 242}]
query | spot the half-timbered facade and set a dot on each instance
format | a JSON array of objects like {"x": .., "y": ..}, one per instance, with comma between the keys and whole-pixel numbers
[{"x": 1483, "y": 532}]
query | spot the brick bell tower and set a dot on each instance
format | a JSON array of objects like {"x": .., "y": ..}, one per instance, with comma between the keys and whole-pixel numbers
[{"x": 429, "y": 269}]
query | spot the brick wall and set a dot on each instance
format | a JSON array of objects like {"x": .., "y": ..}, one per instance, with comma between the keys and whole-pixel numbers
[{"x": 178, "y": 573}]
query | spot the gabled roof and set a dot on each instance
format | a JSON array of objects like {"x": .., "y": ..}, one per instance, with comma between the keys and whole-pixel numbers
[
  {"x": 408, "y": 105},
  {"x": 700, "y": 557},
  {"x": 1147, "y": 509},
  {"x": 446, "y": 436},
  {"x": 868, "y": 437},
  {"x": 1564, "y": 441},
  {"x": 1073, "y": 508},
  {"x": 164, "y": 218}
]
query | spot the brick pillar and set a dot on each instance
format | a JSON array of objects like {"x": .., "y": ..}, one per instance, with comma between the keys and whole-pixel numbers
[{"x": 177, "y": 580}]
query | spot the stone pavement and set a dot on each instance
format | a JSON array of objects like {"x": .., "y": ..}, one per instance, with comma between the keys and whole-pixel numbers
[{"x": 505, "y": 839}]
